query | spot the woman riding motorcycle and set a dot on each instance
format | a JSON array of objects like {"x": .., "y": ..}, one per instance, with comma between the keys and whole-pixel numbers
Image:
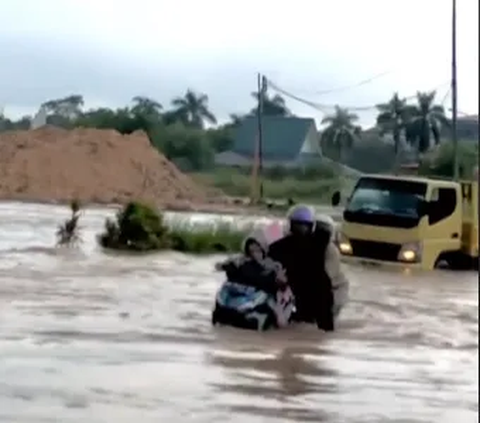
[{"x": 256, "y": 294}]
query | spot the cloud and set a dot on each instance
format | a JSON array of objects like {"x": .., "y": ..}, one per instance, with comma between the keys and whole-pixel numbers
[{"x": 111, "y": 51}]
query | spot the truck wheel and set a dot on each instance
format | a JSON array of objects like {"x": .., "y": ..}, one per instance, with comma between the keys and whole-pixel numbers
[
  {"x": 214, "y": 317},
  {"x": 459, "y": 261}
]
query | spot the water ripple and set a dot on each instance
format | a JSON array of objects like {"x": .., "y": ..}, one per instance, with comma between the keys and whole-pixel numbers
[{"x": 89, "y": 336}]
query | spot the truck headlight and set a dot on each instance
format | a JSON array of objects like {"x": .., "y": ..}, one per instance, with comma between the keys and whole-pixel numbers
[
  {"x": 344, "y": 244},
  {"x": 411, "y": 252}
]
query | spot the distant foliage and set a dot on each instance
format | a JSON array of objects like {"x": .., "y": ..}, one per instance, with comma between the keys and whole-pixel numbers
[
  {"x": 186, "y": 130},
  {"x": 439, "y": 162}
]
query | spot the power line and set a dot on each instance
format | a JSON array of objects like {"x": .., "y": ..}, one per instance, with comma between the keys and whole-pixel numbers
[
  {"x": 352, "y": 86},
  {"x": 270, "y": 84},
  {"x": 321, "y": 107},
  {"x": 465, "y": 114},
  {"x": 445, "y": 97},
  {"x": 327, "y": 107}
]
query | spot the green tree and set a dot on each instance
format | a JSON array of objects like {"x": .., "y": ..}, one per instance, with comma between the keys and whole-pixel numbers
[
  {"x": 64, "y": 111},
  {"x": 23, "y": 123},
  {"x": 235, "y": 119},
  {"x": 189, "y": 147},
  {"x": 372, "y": 155},
  {"x": 426, "y": 122},
  {"x": 7, "y": 124},
  {"x": 221, "y": 139},
  {"x": 68, "y": 107},
  {"x": 341, "y": 132},
  {"x": 122, "y": 120},
  {"x": 272, "y": 105},
  {"x": 393, "y": 118},
  {"x": 439, "y": 160},
  {"x": 192, "y": 110},
  {"x": 146, "y": 107}
]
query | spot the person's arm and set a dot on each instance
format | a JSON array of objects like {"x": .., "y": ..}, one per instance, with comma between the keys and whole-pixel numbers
[
  {"x": 231, "y": 267},
  {"x": 340, "y": 283},
  {"x": 229, "y": 263},
  {"x": 255, "y": 275}
]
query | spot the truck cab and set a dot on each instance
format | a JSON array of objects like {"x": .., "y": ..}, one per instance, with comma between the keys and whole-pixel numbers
[{"x": 410, "y": 221}]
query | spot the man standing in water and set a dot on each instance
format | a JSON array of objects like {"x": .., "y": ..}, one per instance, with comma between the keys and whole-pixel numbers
[{"x": 309, "y": 258}]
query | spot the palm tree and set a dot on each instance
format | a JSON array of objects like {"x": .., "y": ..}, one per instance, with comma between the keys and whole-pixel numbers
[
  {"x": 235, "y": 120},
  {"x": 426, "y": 121},
  {"x": 192, "y": 109},
  {"x": 393, "y": 118},
  {"x": 341, "y": 132},
  {"x": 144, "y": 106},
  {"x": 272, "y": 106}
]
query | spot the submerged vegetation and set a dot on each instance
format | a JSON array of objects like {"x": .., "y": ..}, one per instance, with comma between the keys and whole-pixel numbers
[
  {"x": 204, "y": 239},
  {"x": 139, "y": 227},
  {"x": 68, "y": 232}
]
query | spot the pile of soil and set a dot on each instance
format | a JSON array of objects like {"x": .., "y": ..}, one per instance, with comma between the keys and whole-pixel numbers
[{"x": 51, "y": 164}]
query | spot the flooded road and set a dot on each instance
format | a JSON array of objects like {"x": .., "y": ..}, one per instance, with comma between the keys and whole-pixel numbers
[{"x": 92, "y": 337}]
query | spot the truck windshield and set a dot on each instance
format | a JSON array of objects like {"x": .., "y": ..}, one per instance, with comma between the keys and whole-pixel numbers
[{"x": 386, "y": 202}]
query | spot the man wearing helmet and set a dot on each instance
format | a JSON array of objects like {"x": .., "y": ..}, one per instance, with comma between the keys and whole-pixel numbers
[{"x": 311, "y": 260}]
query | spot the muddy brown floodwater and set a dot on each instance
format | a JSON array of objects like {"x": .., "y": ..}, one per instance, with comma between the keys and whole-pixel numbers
[{"x": 93, "y": 337}]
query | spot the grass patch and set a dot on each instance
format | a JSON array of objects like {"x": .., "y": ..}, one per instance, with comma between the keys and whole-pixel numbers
[
  {"x": 139, "y": 227},
  {"x": 207, "y": 239},
  {"x": 281, "y": 186}
]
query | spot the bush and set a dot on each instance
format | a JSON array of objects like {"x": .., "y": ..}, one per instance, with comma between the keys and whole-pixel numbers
[
  {"x": 138, "y": 227},
  {"x": 439, "y": 162},
  {"x": 68, "y": 232},
  {"x": 371, "y": 155},
  {"x": 309, "y": 172},
  {"x": 220, "y": 139}
]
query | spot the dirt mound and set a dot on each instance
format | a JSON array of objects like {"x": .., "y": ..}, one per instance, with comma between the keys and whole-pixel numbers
[{"x": 92, "y": 165}]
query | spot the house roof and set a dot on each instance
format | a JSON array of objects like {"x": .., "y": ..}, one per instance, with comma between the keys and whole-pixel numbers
[{"x": 283, "y": 137}]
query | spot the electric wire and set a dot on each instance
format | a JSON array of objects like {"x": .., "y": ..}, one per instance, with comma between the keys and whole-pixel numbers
[
  {"x": 325, "y": 108},
  {"x": 352, "y": 86}
]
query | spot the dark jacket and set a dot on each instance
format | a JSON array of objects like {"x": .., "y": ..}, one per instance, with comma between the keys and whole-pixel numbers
[
  {"x": 249, "y": 272},
  {"x": 304, "y": 261}
]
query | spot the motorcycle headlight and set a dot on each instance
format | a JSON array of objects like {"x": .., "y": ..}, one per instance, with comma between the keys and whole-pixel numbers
[{"x": 411, "y": 252}]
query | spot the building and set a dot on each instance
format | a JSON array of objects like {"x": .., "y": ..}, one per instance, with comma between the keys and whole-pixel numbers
[
  {"x": 286, "y": 141},
  {"x": 40, "y": 118}
]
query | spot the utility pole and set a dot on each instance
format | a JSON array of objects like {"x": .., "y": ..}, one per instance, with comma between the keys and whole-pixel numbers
[
  {"x": 261, "y": 90},
  {"x": 454, "y": 91}
]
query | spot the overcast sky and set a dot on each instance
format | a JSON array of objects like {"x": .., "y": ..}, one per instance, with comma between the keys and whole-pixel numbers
[{"x": 110, "y": 51}]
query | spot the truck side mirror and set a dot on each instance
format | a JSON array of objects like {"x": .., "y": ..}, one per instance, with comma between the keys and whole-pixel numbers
[{"x": 336, "y": 197}]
